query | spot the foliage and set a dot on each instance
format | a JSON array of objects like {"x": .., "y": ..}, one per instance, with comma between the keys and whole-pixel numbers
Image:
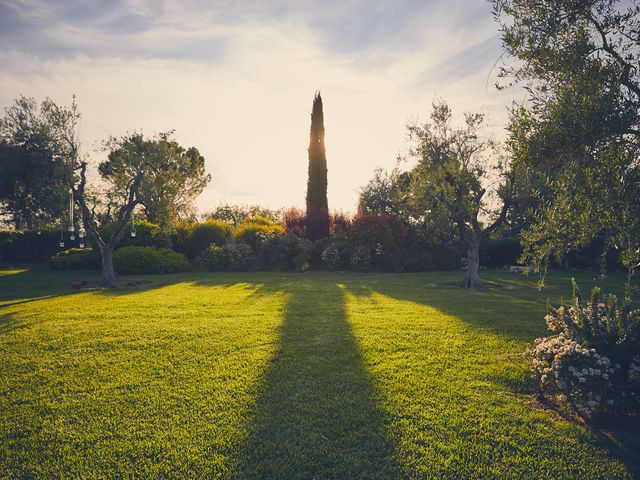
[
  {"x": 336, "y": 254},
  {"x": 500, "y": 252},
  {"x": 138, "y": 260},
  {"x": 257, "y": 230},
  {"x": 234, "y": 215},
  {"x": 606, "y": 324},
  {"x": 238, "y": 256},
  {"x": 234, "y": 257},
  {"x": 460, "y": 176},
  {"x": 295, "y": 222},
  {"x": 379, "y": 233},
  {"x": 31, "y": 246},
  {"x": 340, "y": 224},
  {"x": 33, "y": 166},
  {"x": 194, "y": 238},
  {"x": 285, "y": 252},
  {"x": 214, "y": 259},
  {"x": 317, "y": 217},
  {"x": 591, "y": 360},
  {"x": 385, "y": 193},
  {"x": 76, "y": 259},
  {"x": 577, "y": 139},
  {"x": 147, "y": 235},
  {"x": 360, "y": 259},
  {"x": 174, "y": 176}
]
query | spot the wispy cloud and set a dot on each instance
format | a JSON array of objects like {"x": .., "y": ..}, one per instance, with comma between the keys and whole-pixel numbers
[{"x": 236, "y": 79}]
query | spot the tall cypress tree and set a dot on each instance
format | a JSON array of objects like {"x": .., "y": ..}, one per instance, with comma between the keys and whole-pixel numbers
[{"x": 317, "y": 207}]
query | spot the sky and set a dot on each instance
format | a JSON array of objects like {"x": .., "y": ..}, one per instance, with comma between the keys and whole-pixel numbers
[{"x": 236, "y": 79}]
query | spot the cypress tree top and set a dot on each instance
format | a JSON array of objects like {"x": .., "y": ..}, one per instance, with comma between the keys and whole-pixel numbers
[{"x": 317, "y": 206}]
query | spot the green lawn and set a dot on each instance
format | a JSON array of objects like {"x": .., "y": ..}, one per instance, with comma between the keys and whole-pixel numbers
[{"x": 274, "y": 375}]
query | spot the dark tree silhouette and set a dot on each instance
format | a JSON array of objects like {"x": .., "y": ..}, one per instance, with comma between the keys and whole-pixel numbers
[{"x": 317, "y": 207}]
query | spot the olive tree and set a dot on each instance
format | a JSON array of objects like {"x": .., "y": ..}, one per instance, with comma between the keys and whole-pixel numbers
[
  {"x": 462, "y": 176},
  {"x": 577, "y": 137}
]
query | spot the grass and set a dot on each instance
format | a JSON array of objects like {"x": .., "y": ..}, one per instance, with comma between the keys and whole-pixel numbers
[{"x": 285, "y": 376}]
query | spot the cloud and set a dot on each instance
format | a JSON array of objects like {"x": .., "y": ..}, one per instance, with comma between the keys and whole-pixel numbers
[{"x": 236, "y": 79}]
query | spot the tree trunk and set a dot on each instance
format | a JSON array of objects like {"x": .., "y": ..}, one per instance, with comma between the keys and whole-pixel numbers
[
  {"x": 108, "y": 274},
  {"x": 472, "y": 277}
]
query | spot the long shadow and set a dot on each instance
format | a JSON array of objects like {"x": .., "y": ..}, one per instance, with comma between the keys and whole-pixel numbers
[
  {"x": 513, "y": 308},
  {"x": 317, "y": 413},
  {"x": 37, "y": 282}
]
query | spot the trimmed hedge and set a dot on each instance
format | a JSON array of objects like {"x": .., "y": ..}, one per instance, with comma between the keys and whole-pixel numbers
[
  {"x": 135, "y": 260},
  {"x": 76, "y": 259}
]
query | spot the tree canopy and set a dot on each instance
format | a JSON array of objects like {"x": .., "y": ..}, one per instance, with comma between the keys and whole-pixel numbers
[
  {"x": 174, "y": 176},
  {"x": 34, "y": 164},
  {"x": 577, "y": 138}
]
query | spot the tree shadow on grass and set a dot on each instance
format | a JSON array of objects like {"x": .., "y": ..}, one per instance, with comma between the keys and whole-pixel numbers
[
  {"x": 317, "y": 413},
  {"x": 515, "y": 313},
  {"x": 37, "y": 282}
]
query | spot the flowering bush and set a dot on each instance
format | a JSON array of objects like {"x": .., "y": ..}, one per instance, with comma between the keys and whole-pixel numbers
[
  {"x": 592, "y": 361},
  {"x": 575, "y": 374}
]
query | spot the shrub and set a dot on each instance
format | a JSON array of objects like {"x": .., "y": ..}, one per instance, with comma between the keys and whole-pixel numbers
[
  {"x": 574, "y": 374},
  {"x": 259, "y": 220},
  {"x": 295, "y": 222},
  {"x": 340, "y": 224},
  {"x": 360, "y": 260},
  {"x": 381, "y": 233},
  {"x": 214, "y": 259},
  {"x": 285, "y": 252},
  {"x": 134, "y": 260},
  {"x": 238, "y": 256},
  {"x": 193, "y": 239},
  {"x": 500, "y": 252},
  {"x": 255, "y": 234},
  {"x": 236, "y": 214},
  {"x": 591, "y": 362},
  {"x": 205, "y": 234},
  {"x": 336, "y": 254},
  {"x": 76, "y": 259}
]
